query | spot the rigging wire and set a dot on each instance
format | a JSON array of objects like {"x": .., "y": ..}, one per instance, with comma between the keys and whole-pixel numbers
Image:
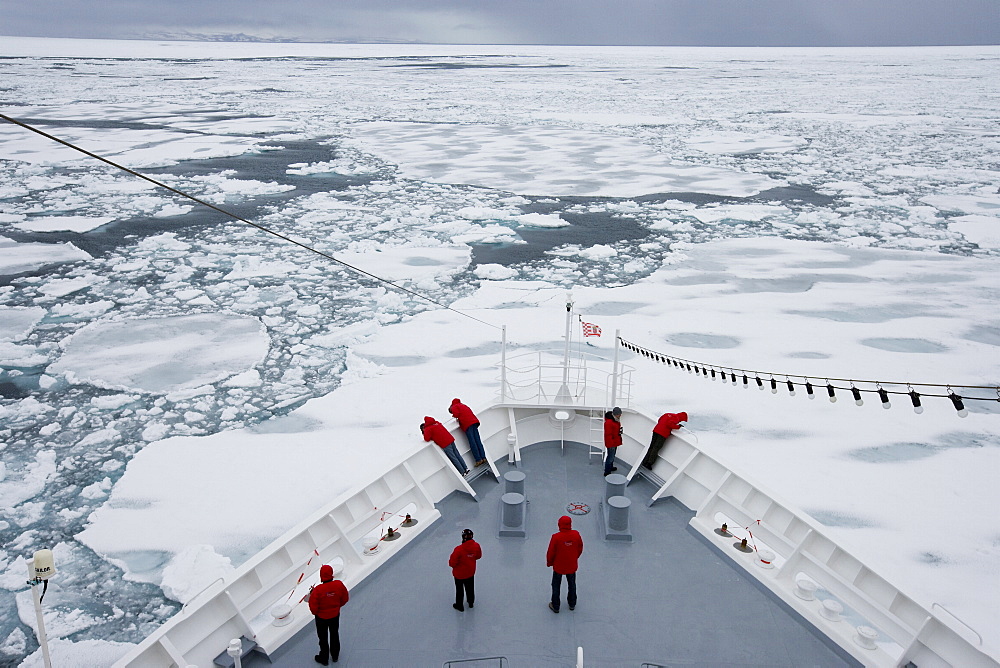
[
  {"x": 750, "y": 374},
  {"x": 243, "y": 220}
]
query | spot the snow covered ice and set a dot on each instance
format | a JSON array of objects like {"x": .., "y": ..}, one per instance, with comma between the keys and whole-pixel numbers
[{"x": 819, "y": 212}]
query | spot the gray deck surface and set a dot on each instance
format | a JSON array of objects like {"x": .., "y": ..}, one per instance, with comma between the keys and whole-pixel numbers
[{"x": 667, "y": 598}]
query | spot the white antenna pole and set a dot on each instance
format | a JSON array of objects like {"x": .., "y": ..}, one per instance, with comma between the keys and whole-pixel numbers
[
  {"x": 569, "y": 323},
  {"x": 503, "y": 364},
  {"x": 42, "y": 638},
  {"x": 614, "y": 369}
]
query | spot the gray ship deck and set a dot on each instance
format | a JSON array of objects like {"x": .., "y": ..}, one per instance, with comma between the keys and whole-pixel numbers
[{"x": 666, "y": 599}]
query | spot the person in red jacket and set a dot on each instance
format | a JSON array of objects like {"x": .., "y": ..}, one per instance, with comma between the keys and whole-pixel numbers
[
  {"x": 666, "y": 424},
  {"x": 565, "y": 548},
  {"x": 437, "y": 432},
  {"x": 463, "y": 567},
  {"x": 612, "y": 437},
  {"x": 469, "y": 423},
  {"x": 325, "y": 601}
]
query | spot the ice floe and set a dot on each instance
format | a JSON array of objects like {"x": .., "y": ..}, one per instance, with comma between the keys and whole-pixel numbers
[
  {"x": 544, "y": 161},
  {"x": 161, "y": 355},
  {"x": 16, "y": 258}
]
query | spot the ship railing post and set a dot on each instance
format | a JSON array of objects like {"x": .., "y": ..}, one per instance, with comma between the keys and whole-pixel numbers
[{"x": 614, "y": 369}]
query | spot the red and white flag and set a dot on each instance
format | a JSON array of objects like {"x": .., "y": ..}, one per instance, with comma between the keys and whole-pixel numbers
[{"x": 590, "y": 329}]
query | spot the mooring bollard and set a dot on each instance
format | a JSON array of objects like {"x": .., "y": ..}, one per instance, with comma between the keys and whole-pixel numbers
[
  {"x": 514, "y": 482},
  {"x": 618, "y": 512},
  {"x": 513, "y": 509},
  {"x": 614, "y": 485}
]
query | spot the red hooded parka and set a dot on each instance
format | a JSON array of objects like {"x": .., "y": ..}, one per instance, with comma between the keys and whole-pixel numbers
[
  {"x": 463, "y": 559},
  {"x": 437, "y": 432},
  {"x": 466, "y": 418},
  {"x": 326, "y": 599},
  {"x": 612, "y": 431},
  {"x": 565, "y": 548},
  {"x": 668, "y": 422}
]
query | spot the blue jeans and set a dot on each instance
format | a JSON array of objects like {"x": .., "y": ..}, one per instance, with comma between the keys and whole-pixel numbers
[
  {"x": 570, "y": 586},
  {"x": 476, "y": 443},
  {"x": 456, "y": 458},
  {"x": 610, "y": 461}
]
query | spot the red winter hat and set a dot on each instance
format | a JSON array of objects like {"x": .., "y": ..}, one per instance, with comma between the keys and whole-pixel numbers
[{"x": 325, "y": 573}]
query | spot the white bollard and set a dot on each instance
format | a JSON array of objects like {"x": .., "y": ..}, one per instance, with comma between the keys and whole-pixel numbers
[
  {"x": 831, "y": 610},
  {"x": 805, "y": 589},
  {"x": 282, "y": 614},
  {"x": 579, "y": 657},
  {"x": 866, "y": 636},
  {"x": 765, "y": 558}
]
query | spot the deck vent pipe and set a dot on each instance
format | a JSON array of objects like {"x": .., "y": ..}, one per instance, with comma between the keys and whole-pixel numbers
[{"x": 235, "y": 650}]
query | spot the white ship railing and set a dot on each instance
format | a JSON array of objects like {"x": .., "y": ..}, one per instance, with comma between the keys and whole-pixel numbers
[{"x": 540, "y": 378}]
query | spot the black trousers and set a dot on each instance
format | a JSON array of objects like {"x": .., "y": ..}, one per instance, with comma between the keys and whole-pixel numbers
[
  {"x": 468, "y": 585},
  {"x": 654, "y": 449},
  {"x": 570, "y": 586},
  {"x": 328, "y": 631}
]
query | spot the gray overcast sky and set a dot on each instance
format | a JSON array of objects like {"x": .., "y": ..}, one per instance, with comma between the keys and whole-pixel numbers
[{"x": 623, "y": 22}]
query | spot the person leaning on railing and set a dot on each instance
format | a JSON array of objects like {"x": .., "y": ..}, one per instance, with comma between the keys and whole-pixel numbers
[{"x": 666, "y": 424}]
